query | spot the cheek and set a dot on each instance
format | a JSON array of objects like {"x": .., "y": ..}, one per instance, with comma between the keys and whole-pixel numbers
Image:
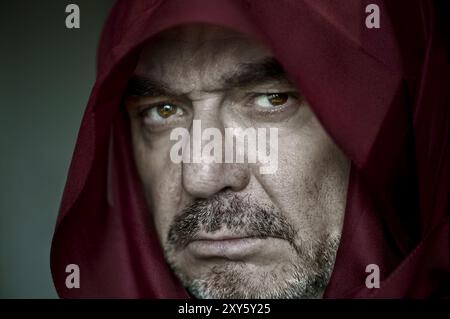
[
  {"x": 311, "y": 182},
  {"x": 160, "y": 177}
]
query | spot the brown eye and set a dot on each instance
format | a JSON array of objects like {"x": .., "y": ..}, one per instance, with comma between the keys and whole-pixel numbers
[
  {"x": 277, "y": 98},
  {"x": 161, "y": 113},
  {"x": 166, "y": 110},
  {"x": 271, "y": 100}
]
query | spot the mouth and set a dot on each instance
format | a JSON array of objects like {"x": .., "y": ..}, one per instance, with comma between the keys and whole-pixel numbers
[{"x": 228, "y": 246}]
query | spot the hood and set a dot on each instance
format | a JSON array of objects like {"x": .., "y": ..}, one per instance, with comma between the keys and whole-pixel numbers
[{"x": 381, "y": 94}]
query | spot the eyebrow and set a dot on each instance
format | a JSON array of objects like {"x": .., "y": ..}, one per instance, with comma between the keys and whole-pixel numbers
[
  {"x": 139, "y": 86},
  {"x": 247, "y": 75}
]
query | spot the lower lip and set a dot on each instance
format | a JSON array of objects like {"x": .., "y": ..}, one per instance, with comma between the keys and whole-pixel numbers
[{"x": 235, "y": 248}]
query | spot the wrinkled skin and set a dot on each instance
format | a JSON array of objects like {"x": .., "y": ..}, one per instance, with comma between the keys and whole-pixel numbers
[{"x": 291, "y": 219}]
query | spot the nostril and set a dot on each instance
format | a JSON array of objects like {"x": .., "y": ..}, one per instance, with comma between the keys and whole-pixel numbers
[
  {"x": 228, "y": 190},
  {"x": 201, "y": 185}
]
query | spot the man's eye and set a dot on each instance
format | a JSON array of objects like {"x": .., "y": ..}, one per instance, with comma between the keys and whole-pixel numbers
[
  {"x": 166, "y": 110},
  {"x": 271, "y": 100},
  {"x": 162, "y": 112}
]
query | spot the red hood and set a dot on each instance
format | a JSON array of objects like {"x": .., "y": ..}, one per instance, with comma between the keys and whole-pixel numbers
[{"x": 380, "y": 93}]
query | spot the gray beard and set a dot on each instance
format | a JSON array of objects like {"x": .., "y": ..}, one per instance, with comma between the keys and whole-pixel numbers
[{"x": 306, "y": 276}]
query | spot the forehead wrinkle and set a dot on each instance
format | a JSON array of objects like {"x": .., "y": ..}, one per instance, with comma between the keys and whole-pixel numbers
[
  {"x": 259, "y": 72},
  {"x": 198, "y": 64},
  {"x": 191, "y": 74}
]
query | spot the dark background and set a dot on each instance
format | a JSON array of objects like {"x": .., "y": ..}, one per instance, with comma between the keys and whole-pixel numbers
[{"x": 46, "y": 74}]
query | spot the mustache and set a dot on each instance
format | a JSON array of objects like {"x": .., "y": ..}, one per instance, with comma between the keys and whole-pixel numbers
[{"x": 242, "y": 216}]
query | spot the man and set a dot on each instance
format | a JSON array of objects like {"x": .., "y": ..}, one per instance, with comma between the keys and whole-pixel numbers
[
  {"x": 164, "y": 201},
  {"x": 228, "y": 230}
]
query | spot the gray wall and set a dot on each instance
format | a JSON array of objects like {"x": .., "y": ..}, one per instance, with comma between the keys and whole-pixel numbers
[{"x": 46, "y": 74}]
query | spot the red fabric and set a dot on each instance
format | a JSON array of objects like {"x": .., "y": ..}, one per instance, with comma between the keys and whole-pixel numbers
[{"x": 380, "y": 93}]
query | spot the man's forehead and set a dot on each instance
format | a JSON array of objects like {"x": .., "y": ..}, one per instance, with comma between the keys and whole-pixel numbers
[{"x": 193, "y": 57}]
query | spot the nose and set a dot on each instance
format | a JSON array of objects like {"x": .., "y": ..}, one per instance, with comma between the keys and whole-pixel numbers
[{"x": 203, "y": 178}]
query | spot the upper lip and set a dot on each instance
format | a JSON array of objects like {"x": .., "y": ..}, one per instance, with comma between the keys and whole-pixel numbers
[{"x": 221, "y": 236}]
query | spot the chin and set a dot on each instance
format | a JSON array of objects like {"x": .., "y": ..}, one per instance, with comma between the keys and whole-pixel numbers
[{"x": 242, "y": 280}]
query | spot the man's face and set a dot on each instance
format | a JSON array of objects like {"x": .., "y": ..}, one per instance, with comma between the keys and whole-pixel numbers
[{"x": 228, "y": 229}]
